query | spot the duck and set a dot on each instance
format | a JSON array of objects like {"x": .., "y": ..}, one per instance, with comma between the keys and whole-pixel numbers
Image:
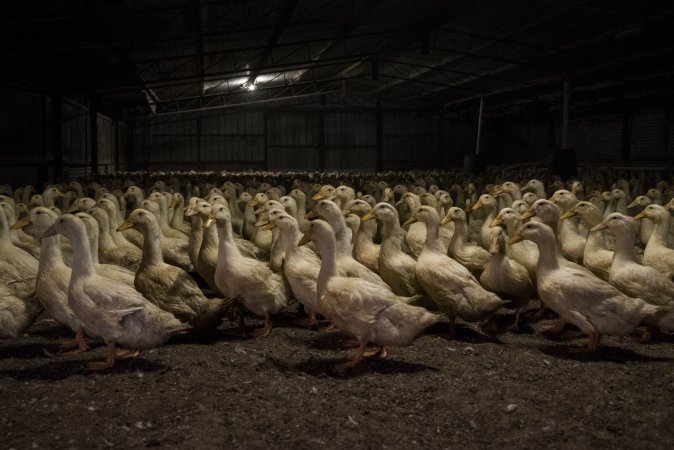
[
  {"x": 261, "y": 238},
  {"x": 524, "y": 252},
  {"x": 488, "y": 204},
  {"x": 645, "y": 226},
  {"x": 473, "y": 257},
  {"x": 18, "y": 268},
  {"x": 365, "y": 251},
  {"x": 301, "y": 199},
  {"x": 23, "y": 241},
  {"x": 396, "y": 267},
  {"x": 361, "y": 308},
  {"x": 174, "y": 250},
  {"x": 507, "y": 278},
  {"x": 17, "y": 313},
  {"x": 250, "y": 281},
  {"x": 170, "y": 287},
  {"x": 569, "y": 236},
  {"x": 107, "y": 308},
  {"x": 53, "y": 276},
  {"x": 347, "y": 266},
  {"x": 579, "y": 297},
  {"x": 656, "y": 253},
  {"x": 178, "y": 217},
  {"x": 127, "y": 238},
  {"x": 596, "y": 255},
  {"x": 113, "y": 271},
  {"x": 449, "y": 284},
  {"x": 166, "y": 229},
  {"x": 127, "y": 256},
  {"x": 634, "y": 279},
  {"x": 537, "y": 187},
  {"x": 300, "y": 265}
]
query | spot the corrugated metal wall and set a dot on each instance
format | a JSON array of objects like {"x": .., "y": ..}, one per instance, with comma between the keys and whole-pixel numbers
[{"x": 27, "y": 138}]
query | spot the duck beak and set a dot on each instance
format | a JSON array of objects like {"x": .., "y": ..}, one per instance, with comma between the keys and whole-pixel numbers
[
  {"x": 305, "y": 238},
  {"x": 498, "y": 220},
  {"x": 445, "y": 220},
  {"x": 267, "y": 226},
  {"x": 319, "y": 196},
  {"x": 497, "y": 191},
  {"x": 253, "y": 202},
  {"x": 174, "y": 202},
  {"x": 632, "y": 205},
  {"x": 52, "y": 231},
  {"x": 599, "y": 226},
  {"x": 20, "y": 224},
  {"x": 515, "y": 239},
  {"x": 411, "y": 220},
  {"x": 569, "y": 213},
  {"x": 311, "y": 214},
  {"x": 259, "y": 210},
  {"x": 189, "y": 212},
  {"x": 210, "y": 221},
  {"x": 528, "y": 214},
  {"x": 369, "y": 216},
  {"x": 261, "y": 223},
  {"x": 125, "y": 225},
  {"x": 477, "y": 205},
  {"x": 640, "y": 216},
  {"x": 346, "y": 212}
]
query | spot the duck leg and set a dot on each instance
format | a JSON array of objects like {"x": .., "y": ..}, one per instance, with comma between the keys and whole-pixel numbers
[
  {"x": 515, "y": 327},
  {"x": 107, "y": 363},
  {"x": 556, "y": 328},
  {"x": 382, "y": 353},
  {"x": 592, "y": 344},
  {"x": 357, "y": 358},
  {"x": 126, "y": 354},
  {"x": 264, "y": 331},
  {"x": 308, "y": 322},
  {"x": 78, "y": 344}
]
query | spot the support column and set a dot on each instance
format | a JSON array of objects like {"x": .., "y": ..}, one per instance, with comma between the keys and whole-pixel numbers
[
  {"x": 626, "y": 147},
  {"x": 380, "y": 138},
  {"x": 565, "y": 117},
  {"x": 321, "y": 140},
  {"x": 480, "y": 115},
  {"x": 93, "y": 135},
  {"x": 57, "y": 136}
]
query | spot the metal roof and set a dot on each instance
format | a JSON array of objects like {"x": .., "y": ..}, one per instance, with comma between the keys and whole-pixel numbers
[{"x": 172, "y": 56}]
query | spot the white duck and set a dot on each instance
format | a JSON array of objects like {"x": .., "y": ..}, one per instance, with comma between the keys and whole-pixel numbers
[
  {"x": 361, "y": 308},
  {"x": 248, "y": 280},
  {"x": 365, "y": 251},
  {"x": 301, "y": 265},
  {"x": 449, "y": 284},
  {"x": 488, "y": 204},
  {"x": 635, "y": 279},
  {"x": 656, "y": 253},
  {"x": 127, "y": 256},
  {"x": 473, "y": 257},
  {"x": 396, "y": 267},
  {"x": 580, "y": 298},
  {"x": 53, "y": 275},
  {"x": 505, "y": 277},
  {"x": 169, "y": 287},
  {"x": 109, "y": 309}
]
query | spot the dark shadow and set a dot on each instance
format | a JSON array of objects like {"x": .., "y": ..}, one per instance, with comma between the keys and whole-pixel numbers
[
  {"x": 604, "y": 353},
  {"x": 65, "y": 368},
  {"x": 326, "y": 366},
  {"x": 36, "y": 350},
  {"x": 463, "y": 333}
]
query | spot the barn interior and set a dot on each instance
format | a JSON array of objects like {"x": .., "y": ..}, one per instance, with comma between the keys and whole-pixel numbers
[{"x": 470, "y": 117}]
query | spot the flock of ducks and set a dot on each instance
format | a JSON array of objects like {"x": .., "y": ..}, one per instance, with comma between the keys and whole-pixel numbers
[{"x": 136, "y": 258}]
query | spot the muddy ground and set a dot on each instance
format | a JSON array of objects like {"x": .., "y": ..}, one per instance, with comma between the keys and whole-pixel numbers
[{"x": 223, "y": 391}]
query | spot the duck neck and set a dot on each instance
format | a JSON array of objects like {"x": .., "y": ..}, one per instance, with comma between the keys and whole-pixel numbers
[
  {"x": 82, "y": 262},
  {"x": 50, "y": 251},
  {"x": 151, "y": 244},
  {"x": 209, "y": 236},
  {"x": 226, "y": 245},
  {"x": 328, "y": 265},
  {"x": 459, "y": 236},
  {"x": 343, "y": 245},
  {"x": 178, "y": 215},
  {"x": 548, "y": 255},
  {"x": 93, "y": 243},
  {"x": 433, "y": 241},
  {"x": 105, "y": 240},
  {"x": 624, "y": 248},
  {"x": 660, "y": 231}
]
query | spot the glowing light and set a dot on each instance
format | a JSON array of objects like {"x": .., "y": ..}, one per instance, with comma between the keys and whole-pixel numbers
[{"x": 249, "y": 86}]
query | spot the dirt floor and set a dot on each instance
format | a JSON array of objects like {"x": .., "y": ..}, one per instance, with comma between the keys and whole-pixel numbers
[{"x": 223, "y": 391}]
